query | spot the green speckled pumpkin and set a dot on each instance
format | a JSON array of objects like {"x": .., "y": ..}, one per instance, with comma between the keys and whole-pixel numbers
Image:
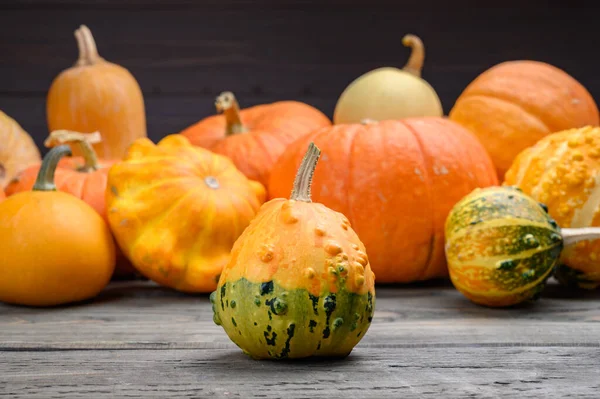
[
  {"x": 299, "y": 282},
  {"x": 501, "y": 246}
]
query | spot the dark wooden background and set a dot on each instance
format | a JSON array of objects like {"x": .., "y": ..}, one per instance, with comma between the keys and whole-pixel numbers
[{"x": 184, "y": 53}]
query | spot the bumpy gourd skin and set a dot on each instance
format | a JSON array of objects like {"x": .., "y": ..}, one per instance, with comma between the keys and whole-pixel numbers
[
  {"x": 299, "y": 284},
  {"x": 176, "y": 211},
  {"x": 501, "y": 246},
  {"x": 563, "y": 171}
]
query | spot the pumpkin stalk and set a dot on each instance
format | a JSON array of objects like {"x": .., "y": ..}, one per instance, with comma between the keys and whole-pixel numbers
[
  {"x": 304, "y": 176},
  {"x": 227, "y": 103},
  {"x": 88, "y": 52},
  {"x": 573, "y": 236},
  {"x": 82, "y": 60},
  {"x": 417, "y": 55},
  {"x": 84, "y": 141},
  {"x": 45, "y": 177}
]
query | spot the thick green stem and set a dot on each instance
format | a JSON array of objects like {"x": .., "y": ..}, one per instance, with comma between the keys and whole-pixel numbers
[
  {"x": 417, "y": 56},
  {"x": 45, "y": 177},
  {"x": 574, "y": 235},
  {"x": 84, "y": 141},
  {"x": 304, "y": 176},
  {"x": 228, "y": 105}
]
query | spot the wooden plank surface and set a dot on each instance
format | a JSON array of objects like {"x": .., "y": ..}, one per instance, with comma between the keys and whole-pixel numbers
[
  {"x": 426, "y": 340},
  {"x": 184, "y": 53}
]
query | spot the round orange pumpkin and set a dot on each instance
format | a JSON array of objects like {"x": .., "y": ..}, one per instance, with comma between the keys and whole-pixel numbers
[
  {"x": 256, "y": 136},
  {"x": 563, "y": 172},
  {"x": 97, "y": 95},
  {"x": 84, "y": 177},
  {"x": 514, "y": 104},
  {"x": 176, "y": 210},
  {"x": 54, "y": 248},
  {"x": 396, "y": 181},
  {"x": 17, "y": 151}
]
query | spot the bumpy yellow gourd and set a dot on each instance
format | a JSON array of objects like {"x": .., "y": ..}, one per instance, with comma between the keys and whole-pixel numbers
[
  {"x": 176, "y": 211},
  {"x": 563, "y": 171},
  {"x": 390, "y": 93}
]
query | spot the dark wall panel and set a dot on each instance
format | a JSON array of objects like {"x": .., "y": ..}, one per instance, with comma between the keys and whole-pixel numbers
[{"x": 184, "y": 53}]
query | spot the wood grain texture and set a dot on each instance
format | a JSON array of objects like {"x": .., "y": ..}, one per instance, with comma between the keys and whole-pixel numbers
[
  {"x": 267, "y": 51},
  {"x": 367, "y": 373},
  {"x": 426, "y": 340}
]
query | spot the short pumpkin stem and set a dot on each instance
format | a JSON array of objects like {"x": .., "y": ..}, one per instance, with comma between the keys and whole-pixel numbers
[
  {"x": 304, "y": 176},
  {"x": 84, "y": 141},
  {"x": 45, "y": 177},
  {"x": 573, "y": 236},
  {"x": 227, "y": 103},
  {"x": 88, "y": 52},
  {"x": 417, "y": 56}
]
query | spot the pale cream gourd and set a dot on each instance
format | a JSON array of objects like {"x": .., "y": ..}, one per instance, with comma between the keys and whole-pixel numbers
[{"x": 390, "y": 93}]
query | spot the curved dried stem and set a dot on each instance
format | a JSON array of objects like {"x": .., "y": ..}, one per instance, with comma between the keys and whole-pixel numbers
[
  {"x": 88, "y": 52},
  {"x": 228, "y": 105},
  {"x": 304, "y": 176},
  {"x": 84, "y": 140},
  {"x": 417, "y": 55}
]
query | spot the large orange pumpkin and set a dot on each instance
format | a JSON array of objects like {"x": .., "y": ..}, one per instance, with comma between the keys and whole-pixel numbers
[
  {"x": 97, "y": 95},
  {"x": 176, "y": 211},
  {"x": 254, "y": 137},
  {"x": 396, "y": 181},
  {"x": 84, "y": 177},
  {"x": 514, "y": 104},
  {"x": 17, "y": 150}
]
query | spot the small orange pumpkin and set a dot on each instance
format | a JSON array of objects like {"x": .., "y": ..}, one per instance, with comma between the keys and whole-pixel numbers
[
  {"x": 396, "y": 181},
  {"x": 176, "y": 210},
  {"x": 254, "y": 137},
  {"x": 17, "y": 152},
  {"x": 97, "y": 95},
  {"x": 54, "y": 248},
  {"x": 84, "y": 177},
  {"x": 514, "y": 104}
]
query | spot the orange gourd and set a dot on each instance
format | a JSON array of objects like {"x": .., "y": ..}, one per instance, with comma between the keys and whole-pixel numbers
[
  {"x": 97, "y": 95},
  {"x": 299, "y": 282},
  {"x": 176, "y": 210},
  {"x": 54, "y": 248},
  {"x": 84, "y": 177},
  {"x": 256, "y": 136},
  {"x": 396, "y": 181},
  {"x": 563, "y": 171},
  {"x": 514, "y": 104},
  {"x": 17, "y": 152}
]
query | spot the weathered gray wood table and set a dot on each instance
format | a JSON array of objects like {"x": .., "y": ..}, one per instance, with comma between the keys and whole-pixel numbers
[{"x": 139, "y": 340}]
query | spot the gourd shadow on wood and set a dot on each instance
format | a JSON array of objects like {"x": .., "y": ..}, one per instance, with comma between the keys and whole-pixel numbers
[
  {"x": 141, "y": 289},
  {"x": 556, "y": 291},
  {"x": 242, "y": 360},
  {"x": 425, "y": 284}
]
